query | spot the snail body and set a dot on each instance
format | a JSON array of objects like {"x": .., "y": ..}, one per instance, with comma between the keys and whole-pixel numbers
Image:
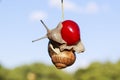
[{"x": 67, "y": 33}]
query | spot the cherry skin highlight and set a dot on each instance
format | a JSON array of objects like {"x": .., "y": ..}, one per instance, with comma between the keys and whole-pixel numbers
[{"x": 70, "y": 32}]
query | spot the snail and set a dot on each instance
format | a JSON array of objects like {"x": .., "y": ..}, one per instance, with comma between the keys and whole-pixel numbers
[{"x": 64, "y": 41}]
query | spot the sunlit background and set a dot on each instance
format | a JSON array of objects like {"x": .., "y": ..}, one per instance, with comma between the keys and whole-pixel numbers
[{"x": 99, "y": 22}]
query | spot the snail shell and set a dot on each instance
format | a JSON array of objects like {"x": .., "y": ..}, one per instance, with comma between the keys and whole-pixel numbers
[{"x": 61, "y": 59}]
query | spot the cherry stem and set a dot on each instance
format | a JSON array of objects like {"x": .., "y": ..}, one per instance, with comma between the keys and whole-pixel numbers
[{"x": 62, "y": 6}]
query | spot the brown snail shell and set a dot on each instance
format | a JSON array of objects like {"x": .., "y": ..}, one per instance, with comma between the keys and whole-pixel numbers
[{"x": 61, "y": 59}]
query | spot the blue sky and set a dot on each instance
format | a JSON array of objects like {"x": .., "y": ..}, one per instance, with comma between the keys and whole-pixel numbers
[{"x": 99, "y": 22}]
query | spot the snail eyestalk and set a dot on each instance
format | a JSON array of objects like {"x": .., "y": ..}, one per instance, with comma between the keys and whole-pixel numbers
[
  {"x": 39, "y": 39},
  {"x": 44, "y": 25},
  {"x": 43, "y": 36},
  {"x": 62, "y": 6}
]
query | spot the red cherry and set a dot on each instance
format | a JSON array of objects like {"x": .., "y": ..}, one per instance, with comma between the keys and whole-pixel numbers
[{"x": 70, "y": 32}]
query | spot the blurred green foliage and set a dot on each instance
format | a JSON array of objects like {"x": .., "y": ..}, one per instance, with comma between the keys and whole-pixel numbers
[
  {"x": 99, "y": 71},
  {"x": 38, "y": 71}
]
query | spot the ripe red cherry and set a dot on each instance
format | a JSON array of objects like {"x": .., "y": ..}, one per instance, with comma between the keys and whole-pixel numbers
[{"x": 70, "y": 32}]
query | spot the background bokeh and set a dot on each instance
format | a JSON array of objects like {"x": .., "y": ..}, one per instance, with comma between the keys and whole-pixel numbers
[{"x": 99, "y": 22}]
